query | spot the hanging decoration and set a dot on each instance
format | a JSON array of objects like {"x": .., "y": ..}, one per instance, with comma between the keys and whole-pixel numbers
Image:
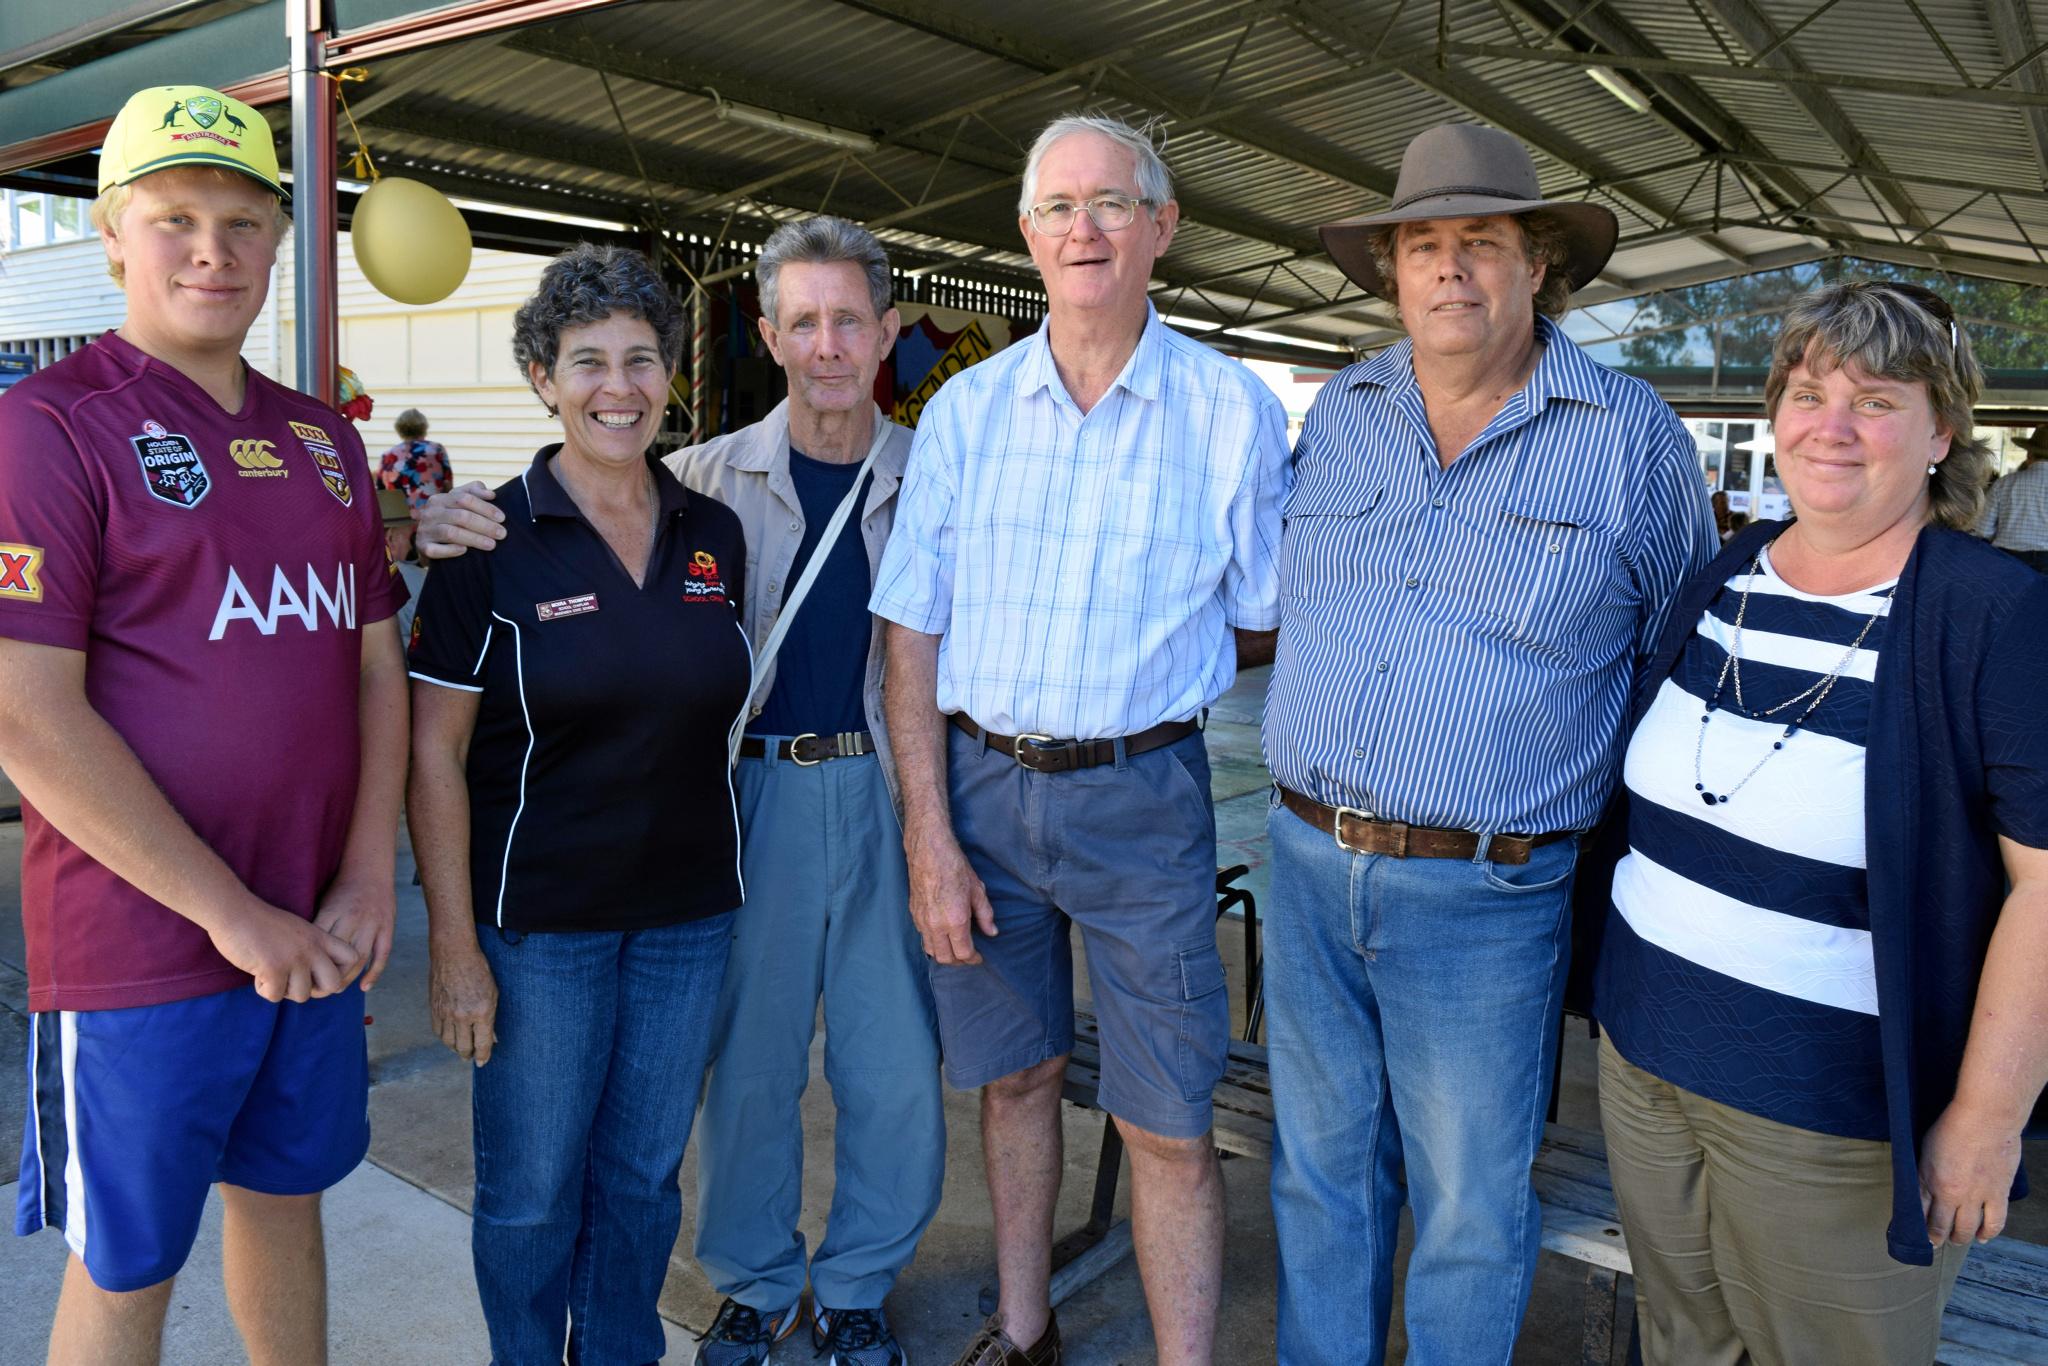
[{"x": 410, "y": 241}]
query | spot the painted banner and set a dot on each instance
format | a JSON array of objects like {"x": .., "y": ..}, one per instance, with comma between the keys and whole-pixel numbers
[{"x": 934, "y": 345}]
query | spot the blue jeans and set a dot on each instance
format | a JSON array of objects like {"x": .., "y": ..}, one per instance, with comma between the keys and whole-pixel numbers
[
  {"x": 581, "y": 1118},
  {"x": 827, "y": 916},
  {"x": 1412, "y": 1010}
]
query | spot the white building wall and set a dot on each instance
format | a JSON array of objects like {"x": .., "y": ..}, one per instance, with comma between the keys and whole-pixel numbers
[{"x": 451, "y": 360}]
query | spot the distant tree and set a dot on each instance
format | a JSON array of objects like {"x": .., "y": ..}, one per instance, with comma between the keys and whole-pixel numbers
[{"x": 1750, "y": 307}]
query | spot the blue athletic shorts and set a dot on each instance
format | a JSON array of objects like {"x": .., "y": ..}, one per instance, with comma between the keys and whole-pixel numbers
[{"x": 134, "y": 1113}]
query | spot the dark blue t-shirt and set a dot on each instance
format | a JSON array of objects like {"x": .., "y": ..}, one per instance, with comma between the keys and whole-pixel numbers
[{"x": 821, "y": 669}]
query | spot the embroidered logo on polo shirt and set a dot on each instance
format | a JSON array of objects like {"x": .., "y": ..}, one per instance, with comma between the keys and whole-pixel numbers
[
  {"x": 257, "y": 459},
  {"x": 20, "y": 576},
  {"x": 704, "y": 584},
  {"x": 564, "y": 607},
  {"x": 171, "y": 467}
]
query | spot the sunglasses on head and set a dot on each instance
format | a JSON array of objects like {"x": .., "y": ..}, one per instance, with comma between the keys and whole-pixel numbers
[{"x": 1926, "y": 299}]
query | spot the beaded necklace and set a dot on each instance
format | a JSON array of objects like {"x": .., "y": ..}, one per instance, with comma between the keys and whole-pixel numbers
[{"x": 1732, "y": 666}]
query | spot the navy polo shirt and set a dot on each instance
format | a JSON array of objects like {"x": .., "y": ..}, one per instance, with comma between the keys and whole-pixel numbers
[
  {"x": 821, "y": 670},
  {"x": 598, "y": 789}
]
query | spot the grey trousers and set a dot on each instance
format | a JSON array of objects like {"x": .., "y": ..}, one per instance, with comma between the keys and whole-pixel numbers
[{"x": 827, "y": 916}]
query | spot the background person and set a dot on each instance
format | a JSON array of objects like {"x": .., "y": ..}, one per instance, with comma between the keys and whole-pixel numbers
[
  {"x": 574, "y": 824},
  {"x": 2016, "y": 512},
  {"x": 398, "y": 544},
  {"x": 202, "y": 700},
  {"x": 416, "y": 467},
  {"x": 1821, "y": 1003}
]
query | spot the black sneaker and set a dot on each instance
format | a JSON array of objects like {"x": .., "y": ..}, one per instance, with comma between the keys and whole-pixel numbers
[
  {"x": 856, "y": 1337},
  {"x": 740, "y": 1336}
]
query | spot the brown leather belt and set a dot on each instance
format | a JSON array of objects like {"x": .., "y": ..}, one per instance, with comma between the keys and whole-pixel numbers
[
  {"x": 1043, "y": 754},
  {"x": 808, "y": 749},
  {"x": 1361, "y": 834}
]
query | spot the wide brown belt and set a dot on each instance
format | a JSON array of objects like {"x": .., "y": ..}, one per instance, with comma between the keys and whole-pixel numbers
[
  {"x": 1044, "y": 754},
  {"x": 1361, "y": 834},
  {"x": 808, "y": 749}
]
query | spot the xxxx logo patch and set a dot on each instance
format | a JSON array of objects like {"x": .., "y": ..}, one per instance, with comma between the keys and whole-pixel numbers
[{"x": 21, "y": 572}]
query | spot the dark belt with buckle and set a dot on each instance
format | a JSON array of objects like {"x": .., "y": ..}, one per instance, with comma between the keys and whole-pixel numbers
[
  {"x": 1359, "y": 833},
  {"x": 808, "y": 749},
  {"x": 1044, "y": 754}
]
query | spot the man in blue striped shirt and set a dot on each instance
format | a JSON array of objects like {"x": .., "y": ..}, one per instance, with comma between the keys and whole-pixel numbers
[
  {"x": 1088, "y": 530},
  {"x": 1484, "y": 532}
]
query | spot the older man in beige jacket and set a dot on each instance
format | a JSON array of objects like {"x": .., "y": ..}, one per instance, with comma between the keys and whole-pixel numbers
[{"x": 822, "y": 851}]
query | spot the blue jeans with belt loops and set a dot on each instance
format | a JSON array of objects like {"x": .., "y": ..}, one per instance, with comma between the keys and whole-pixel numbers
[
  {"x": 1412, "y": 1009},
  {"x": 581, "y": 1117}
]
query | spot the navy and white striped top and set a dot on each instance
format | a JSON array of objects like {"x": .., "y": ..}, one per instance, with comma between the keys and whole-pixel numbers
[
  {"x": 1457, "y": 644},
  {"x": 1738, "y": 965}
]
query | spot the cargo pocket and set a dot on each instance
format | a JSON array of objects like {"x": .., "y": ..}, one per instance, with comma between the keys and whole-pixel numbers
[{"x": 1204, "y": 1017}]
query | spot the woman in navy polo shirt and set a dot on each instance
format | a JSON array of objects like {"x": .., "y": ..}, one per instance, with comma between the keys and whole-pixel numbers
[
  {"x": 1822, "y": 978},
  {"x": 573, "y": 817}
]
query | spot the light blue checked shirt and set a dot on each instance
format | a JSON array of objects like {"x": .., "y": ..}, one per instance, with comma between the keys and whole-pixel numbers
[
  {"x": 2016, "y": 513},
  {"x": 1084, "y": 572},
  {"x": 1457, "y": 645}
]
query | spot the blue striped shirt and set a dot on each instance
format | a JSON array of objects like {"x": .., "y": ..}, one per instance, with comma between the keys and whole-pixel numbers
[
  {"x": 1739, "y": 964},
  {"x": 1457, "y": 644},
  {"x": 1084, "y": 571}
]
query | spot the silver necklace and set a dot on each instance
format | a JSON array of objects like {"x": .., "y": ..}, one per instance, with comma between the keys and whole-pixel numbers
[{"x": 1732, "y": 667}]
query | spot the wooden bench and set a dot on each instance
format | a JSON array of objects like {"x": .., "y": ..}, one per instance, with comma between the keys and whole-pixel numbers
[{"x": 1998, "y": 1314}]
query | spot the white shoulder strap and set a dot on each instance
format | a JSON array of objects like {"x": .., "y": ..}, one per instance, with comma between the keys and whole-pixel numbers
[{"x": 765, "y": 655}]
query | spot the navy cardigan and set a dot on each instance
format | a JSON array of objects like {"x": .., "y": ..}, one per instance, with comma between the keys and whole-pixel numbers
[{"x": 1957, "y": 755}]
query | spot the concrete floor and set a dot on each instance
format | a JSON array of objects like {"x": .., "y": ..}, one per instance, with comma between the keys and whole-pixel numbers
[{"x": 402, "y": 1289}]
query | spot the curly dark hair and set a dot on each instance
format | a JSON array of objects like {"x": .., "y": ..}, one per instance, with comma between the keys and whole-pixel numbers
[{"x": 587, "y": 284}]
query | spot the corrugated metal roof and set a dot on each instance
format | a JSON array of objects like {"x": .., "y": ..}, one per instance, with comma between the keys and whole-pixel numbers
[{"x": 1775, "y": 129}]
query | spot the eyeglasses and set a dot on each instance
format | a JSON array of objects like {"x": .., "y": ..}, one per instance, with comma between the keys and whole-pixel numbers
[
  {"x": 1928, "y": 301},
  {"x": 1108, "y": 212}
]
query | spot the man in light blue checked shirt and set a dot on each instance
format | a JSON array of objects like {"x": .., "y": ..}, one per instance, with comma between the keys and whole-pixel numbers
[
  {"x": 1085, "y": 550},
  {"x": 1484, "y": 533}
]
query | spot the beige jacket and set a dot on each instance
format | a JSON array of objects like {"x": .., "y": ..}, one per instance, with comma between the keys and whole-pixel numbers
[{"x": 748, "y": 471}]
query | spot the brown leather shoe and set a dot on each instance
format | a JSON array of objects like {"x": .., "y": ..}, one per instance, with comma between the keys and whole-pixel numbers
[{"x": 993, "y": 1347}]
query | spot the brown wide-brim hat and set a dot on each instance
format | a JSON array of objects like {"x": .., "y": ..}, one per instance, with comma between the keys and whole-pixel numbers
[
  {"x": 1464, "y": 170},
  {"x": 2034, "y": 442}
]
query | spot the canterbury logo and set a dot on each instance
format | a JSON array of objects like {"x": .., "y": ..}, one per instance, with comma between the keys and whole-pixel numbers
[{"x": 254, "y": 455}]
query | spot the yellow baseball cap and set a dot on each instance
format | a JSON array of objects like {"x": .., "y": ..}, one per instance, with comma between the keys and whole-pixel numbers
[{"x": 188, "y": 125}]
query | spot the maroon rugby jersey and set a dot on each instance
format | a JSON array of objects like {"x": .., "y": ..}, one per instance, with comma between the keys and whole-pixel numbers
[{"x": 216, "y": 570}]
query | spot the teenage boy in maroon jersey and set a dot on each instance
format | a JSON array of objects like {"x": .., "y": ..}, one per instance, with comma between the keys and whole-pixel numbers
[{"x": 202, "y": 700}]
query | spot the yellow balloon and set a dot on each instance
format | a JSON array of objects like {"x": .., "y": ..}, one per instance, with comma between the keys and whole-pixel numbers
[{"x": 410, "y": 241}]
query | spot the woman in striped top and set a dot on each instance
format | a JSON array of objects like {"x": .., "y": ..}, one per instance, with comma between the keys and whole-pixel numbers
[{"x": 1821, "y": 1002}]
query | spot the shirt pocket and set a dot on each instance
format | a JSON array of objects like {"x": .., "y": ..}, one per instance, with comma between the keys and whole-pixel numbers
[
  {"x": 1322, "y": 531},
  {"x": 1554, "y": 566}
]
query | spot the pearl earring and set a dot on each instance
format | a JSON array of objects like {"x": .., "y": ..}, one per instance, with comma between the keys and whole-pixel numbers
[{"x": 1930, "y": 469}]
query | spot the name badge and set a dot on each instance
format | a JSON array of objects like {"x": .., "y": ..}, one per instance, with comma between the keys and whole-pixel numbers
[{"x": 567, "y": 607}]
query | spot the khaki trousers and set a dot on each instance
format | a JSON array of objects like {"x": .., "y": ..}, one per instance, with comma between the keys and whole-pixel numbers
[{"x": 1753, "y": 1241}]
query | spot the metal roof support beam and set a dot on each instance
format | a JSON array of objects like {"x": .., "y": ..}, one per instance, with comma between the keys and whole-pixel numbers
[
  {"x": 2014, "y": 29},
  {"x": 944, "y": 23},
  {"x": 93, "y": 30},
  {"x": 1791, "y": 78},
  {"x": 928, "y": 137},
  {"x": 1469, "y": 95},
  {"x": 317, "y": 302},
  {"x": 1703, "y": 120},
  {"x": 1756, "y": 30}
]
